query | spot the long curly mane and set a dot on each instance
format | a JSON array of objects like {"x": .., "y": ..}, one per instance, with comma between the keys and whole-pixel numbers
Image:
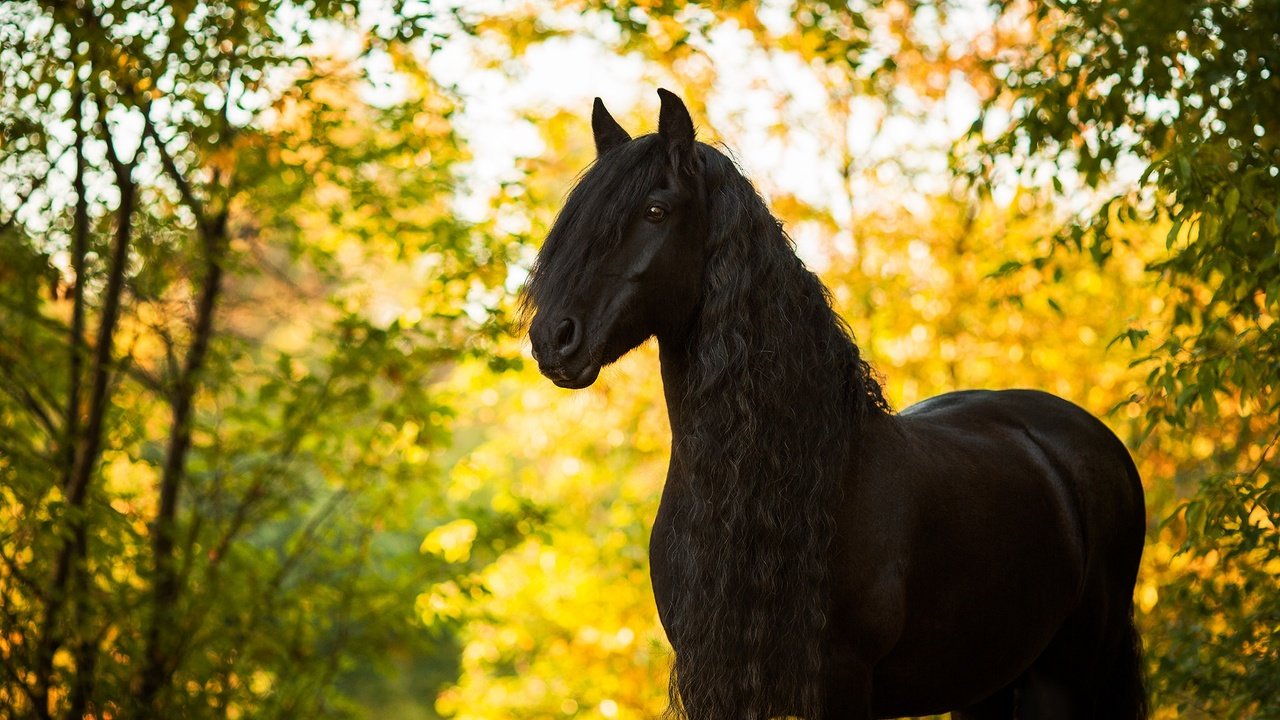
[{"x": 777, "y": 393}]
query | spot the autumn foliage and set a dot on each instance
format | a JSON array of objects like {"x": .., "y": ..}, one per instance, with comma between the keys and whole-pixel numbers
[{"x": 269, "y": 446}]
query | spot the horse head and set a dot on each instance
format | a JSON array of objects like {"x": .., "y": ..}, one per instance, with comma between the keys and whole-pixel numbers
[{"x": 624, "y": 260}]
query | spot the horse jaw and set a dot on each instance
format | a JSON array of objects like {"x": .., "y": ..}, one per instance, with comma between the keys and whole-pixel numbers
[{"x": 584, "y": 379}]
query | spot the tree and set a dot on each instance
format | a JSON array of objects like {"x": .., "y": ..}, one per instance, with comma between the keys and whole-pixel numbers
[
  {"x": 1077, "y": 99},
  {"x": 1191, "y": 91},
  {"x": 266, "y": 445},
  {"x": 210, "y": 404}
]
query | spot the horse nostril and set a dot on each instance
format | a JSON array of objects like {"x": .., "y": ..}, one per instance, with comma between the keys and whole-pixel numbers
[{"x": 567, "y": 336}]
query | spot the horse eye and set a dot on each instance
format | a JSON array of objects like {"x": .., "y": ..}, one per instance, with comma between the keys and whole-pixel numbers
[{"x": 654, "y": 213}]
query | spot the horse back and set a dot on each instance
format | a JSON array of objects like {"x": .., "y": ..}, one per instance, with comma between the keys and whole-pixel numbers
[{"x": 1066, "y": 448}]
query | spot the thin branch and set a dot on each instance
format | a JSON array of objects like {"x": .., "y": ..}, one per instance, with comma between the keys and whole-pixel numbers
[
  {"x": 22, "y": 394},
  {"x": 16, "y": 448},
  {"x": 307, "y": 536},
  {"x": 171, "y": 169},
  {"x": 30, "y": 392},
  {"x": 303, "y": 542},
  {"x": 1254, "y": 501},
  {"x": 170, "y": 357},
  {"x": 142, "y": 377},
  {"x": 1262, "y": 459},
  {"x": 79, "y": 248},
  {"x": 251, "y": 498},
  {"x": 14, "y": 571},
  {"x": 34, "y": 317}
]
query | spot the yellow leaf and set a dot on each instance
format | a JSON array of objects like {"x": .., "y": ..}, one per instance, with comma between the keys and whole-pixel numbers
[{"x": 452, "y": 541}]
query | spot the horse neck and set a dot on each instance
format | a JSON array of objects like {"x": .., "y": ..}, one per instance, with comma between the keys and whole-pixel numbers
[
  {"x": 825, "y": 384},
  {"x": 766, "y": 399},
  {"x": 675, "y": 361}
]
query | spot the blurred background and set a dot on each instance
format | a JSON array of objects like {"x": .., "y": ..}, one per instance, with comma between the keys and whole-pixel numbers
[{"x": 271, "y": 446}]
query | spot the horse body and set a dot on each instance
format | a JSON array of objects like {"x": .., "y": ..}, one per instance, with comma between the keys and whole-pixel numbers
[
  {"x": 981, "y": 538},
  {"x": 1021, "y": 529},
  {"x": 815, "y": 554}
]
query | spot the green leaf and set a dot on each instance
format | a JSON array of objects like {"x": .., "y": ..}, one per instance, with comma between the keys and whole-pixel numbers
[
  {"x": 1006, "y": 268},
  {"x": 1172, "y": 237}
]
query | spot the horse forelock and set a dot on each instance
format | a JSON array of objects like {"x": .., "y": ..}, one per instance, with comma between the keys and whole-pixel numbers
[
  {"x": 591, "y": 223},
  {"x": 777, "y": 389}
]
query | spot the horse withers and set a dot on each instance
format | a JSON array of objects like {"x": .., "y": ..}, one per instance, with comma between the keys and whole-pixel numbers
[{"x": 815, "y": 554}]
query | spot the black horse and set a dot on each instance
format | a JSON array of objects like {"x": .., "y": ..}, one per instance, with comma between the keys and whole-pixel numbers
[{"x": 815, "y": 554}]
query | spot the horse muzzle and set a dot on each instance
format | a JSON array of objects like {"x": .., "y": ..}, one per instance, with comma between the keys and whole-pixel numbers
[{"x": 558, "y": 347}]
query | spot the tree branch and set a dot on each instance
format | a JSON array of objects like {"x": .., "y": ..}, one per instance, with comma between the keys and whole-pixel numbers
[
  {"x": 84, "y": 651},
  {"x": 159, "y": 664},
  {"x": 79, "y": 248},
  {"x": 76, "y": 489}
]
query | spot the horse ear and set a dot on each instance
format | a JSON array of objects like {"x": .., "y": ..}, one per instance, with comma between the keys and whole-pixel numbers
[
  {"x": 609, "y": 134},
  {"x": 675, "y": 127}
]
